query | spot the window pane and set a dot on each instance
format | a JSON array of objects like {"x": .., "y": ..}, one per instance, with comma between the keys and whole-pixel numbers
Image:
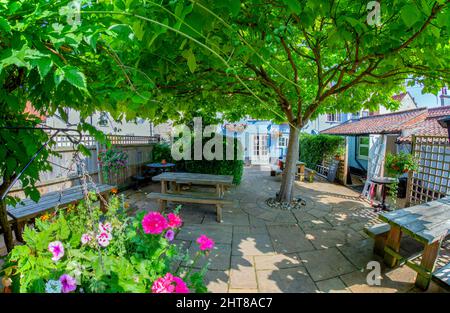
[
  {"x": 363, "y": 140},
  {"x": 364, "y": 151}
]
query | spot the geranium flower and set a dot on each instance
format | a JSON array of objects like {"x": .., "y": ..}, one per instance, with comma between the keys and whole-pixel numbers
[
  {"x": 53, "y": 286},
  {"x": 68, "y": 283},
  {"x": 205, "y": 243},
  {"x": 154, "y": 223},
  {"x": 163, "y": 284},
  {"x": 105, "y": 227},
  {"x": 180, "y": 285},
  {"x": 169, "y": 284},
  {"x": 170, "y": 234},
  {"x": 85, "y": 238},
  {"x": 175, "y": 221},
  {"x": 57, "y": 249},
  {"x": 104, "y": 238}
]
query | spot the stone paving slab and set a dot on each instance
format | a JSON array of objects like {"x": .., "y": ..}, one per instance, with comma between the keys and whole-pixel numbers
[
  {"x": 326, "y": 263},
  {"x": 219, "y": 258},
  {"x": 242, "y": 273},
  {"x": 332, "y": 285},
  {"x": 277, "y": 261},
  {"x": 252, "y": 244},
  {"x": 218, "y": 232},
  {"x": 289, "y": 238},
  {"x": 290, "y": 280}
]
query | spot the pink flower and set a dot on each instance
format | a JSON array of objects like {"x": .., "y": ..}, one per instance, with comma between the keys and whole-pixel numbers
[
  {"x": 68, "y": 283},
  {"x": 164, "y": 284},
  {"x": 181, "y": 286},
  {"x": 205, "y": 243},
  {"x": 57, "y": 249},
  {"x": 169, "y": 284},
  {"x": 175, "y": 221},
  {"x": 103, "y": 238},
  {"x": 85, "y": 238},
  {"x": 154, "y": 223},
  {"x": 107, "y": 227}
]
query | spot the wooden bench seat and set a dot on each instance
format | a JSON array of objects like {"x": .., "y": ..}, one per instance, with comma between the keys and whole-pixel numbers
[
  {"x": 28, "y": 209},
  {"x": 164, "y": 197},
  {"x": 379, "y": 233},
  {"x": 442, "y": 276}
]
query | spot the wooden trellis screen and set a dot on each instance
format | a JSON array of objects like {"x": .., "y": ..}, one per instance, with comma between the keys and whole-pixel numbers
[{"x": 432, "y": 179}]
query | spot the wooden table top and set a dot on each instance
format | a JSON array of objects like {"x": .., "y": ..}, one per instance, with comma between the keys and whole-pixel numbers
[
  {"x": 427, "y": 222},
  {"x": 195, "y": 178}
]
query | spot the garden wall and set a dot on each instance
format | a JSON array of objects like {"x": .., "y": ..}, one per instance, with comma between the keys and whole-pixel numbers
[{"x": 67, "y": 172}]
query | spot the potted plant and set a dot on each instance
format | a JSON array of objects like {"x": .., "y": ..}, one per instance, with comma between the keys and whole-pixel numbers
[{"x": 397, "y": 165}]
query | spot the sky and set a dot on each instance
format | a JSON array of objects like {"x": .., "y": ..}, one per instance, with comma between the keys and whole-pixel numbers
[{"x": 423, "y": 100}]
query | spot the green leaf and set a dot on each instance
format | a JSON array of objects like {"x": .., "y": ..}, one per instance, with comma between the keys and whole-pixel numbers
[
  {"x": 4, "y": 24},
  {"x": 44, "y": 65},
  {"x": 75, "y": 77},
  {"x": 293, "y": 5},
  {"x": 11, "y": 165},
  {"x": 190, "y": 57}
]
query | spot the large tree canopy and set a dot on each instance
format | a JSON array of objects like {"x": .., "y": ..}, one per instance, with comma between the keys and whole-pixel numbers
[
  {"x": 285, "y": 60},
  {"x": 290, "y": 60}
]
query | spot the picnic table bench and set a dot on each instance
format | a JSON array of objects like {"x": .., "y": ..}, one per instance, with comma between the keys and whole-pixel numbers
[
  {"x": 175, "y": 194},
  {"x": 427, "y": 223},
  {"x": 28, "y": 209}
]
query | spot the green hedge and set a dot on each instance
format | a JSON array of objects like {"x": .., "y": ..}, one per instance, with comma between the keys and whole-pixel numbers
[
  {"x": 161, "y": 151},
  {"x": 217, "y": 167},
  {"x": 316, "y": 148}
]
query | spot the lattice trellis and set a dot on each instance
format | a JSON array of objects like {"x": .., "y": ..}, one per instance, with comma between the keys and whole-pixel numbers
[{"x": 432, "y": 179}]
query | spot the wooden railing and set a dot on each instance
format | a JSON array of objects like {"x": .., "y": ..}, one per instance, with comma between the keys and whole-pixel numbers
[{"x": 62, "y": 141}]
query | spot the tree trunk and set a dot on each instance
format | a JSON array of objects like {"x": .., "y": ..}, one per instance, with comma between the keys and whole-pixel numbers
[
  {"x": 7, "y": 232},
  {"x": 287, "y": 183}
]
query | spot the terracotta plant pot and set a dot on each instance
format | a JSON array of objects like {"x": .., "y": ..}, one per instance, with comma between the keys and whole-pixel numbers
[{"x": 163, "y": 161}]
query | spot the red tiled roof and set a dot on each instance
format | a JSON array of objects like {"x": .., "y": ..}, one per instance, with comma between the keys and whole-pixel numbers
[
  {"x": 391, "y": 123},
  {"x": 428, "y": 127},
  {"x": 32, "y": 111},
  {"x": 399, "y": 97}
]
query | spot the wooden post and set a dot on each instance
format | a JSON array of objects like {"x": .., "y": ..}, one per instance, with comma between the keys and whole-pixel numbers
[
  {"x": 429, "y": 257},
  {"x": 393, "y": 242},
  {"x": 4, "y": 223},
  {"x": 408, "y": 189},
  {"x": 344, "y": 178},
  {"x": 380, "y": 243},
  {"x": 104, "y": 204},
  {"x": 163, "y": 203}
]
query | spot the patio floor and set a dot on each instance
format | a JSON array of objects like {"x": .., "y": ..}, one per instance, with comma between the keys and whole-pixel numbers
[{"x": 319, "y": 248}]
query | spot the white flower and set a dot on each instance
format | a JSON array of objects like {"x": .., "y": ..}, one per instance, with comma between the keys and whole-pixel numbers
[
  {"x": 85, "y": 238},
  {"x": 106, "y": 227},
  {"x": 53, "y": 286},
  {"x": 103, "y": 238}
]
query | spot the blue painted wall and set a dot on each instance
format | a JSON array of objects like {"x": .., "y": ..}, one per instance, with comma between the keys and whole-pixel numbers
[{"x": 352, "y": 154}]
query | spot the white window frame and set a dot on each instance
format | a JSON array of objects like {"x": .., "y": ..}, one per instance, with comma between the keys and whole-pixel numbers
[
  {"x": 360, "y": 145},
  {"x": 334, "y": 117},
  {"x": 283, "y": 141}
]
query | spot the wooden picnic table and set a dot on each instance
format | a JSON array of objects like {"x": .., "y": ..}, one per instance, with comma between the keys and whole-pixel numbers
[
  {"x": 427, "y": 223},
  {"x": 176, "y": 179}
]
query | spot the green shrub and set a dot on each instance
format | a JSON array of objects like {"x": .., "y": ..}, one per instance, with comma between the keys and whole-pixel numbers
[
  {"x": 161, "y": 151},
  {"x": 316, "y": 148},
  {"x": 234, "y": 167}
]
